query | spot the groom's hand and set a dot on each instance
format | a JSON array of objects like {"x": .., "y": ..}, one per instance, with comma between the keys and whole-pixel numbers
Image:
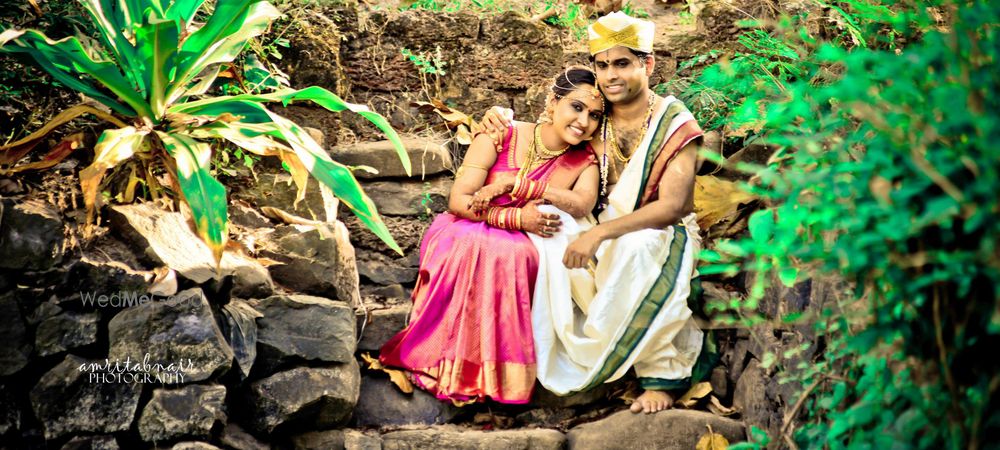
[
  {"x": 582, "y": 250},
  {"x": 496, "y": 121}
]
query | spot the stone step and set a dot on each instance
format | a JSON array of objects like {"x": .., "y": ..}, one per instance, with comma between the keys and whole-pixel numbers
[{"x": 427, "y": 157}]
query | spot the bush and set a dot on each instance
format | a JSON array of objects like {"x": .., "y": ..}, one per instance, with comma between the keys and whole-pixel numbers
[{"x": 886, "y": 174}]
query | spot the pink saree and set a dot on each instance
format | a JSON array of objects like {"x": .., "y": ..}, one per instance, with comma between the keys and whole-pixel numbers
[{"x": 469, "y": 335}]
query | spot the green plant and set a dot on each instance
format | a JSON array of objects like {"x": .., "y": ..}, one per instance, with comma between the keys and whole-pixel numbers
[
  {"x": 152, "y": 67},
  {"x": 574, "y": 18},
  {"x": 634, "y": 11},
  {"x": 429, "y": 63},
  {"x": 885, "y": 175}
]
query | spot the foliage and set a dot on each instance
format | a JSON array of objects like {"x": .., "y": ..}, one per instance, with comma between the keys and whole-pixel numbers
[
  {"x": 478, "y": 6},
  {"x": 152, "y": 65},
  {"x": 574, "y": 18},
  {"x": 885, "y": 174},
  {"x": 429, "y": 63}
]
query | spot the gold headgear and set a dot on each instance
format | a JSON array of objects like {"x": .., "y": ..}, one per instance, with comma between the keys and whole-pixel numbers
[{"x": 619, "y": 28}]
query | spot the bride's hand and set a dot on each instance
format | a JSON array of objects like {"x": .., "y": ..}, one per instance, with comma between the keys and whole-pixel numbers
[
  {"x": 535, "y": 221},
  {"x": 481, "y": 199}
]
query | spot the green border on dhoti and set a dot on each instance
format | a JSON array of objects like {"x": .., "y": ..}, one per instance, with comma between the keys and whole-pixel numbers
[{"x": 661, "y": 290}]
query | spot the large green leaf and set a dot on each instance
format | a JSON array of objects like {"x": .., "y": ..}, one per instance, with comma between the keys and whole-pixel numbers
[
  {"x": 68, "y": 54},
  {"x": 23, "y": 41},
  {"x": 111, "y": 23},
  {"x": 334, "y": 175},
  {"x": 204, "y": 194},
  {"x": 183, "y": 10},
  {"x": 221, "y": 39},
  {"x": 157, "y": 42},
  {"x": 316, "y": 94}
]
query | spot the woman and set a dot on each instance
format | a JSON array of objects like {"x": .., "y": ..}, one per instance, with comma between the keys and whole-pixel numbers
[{"x": 469, "y": 335}]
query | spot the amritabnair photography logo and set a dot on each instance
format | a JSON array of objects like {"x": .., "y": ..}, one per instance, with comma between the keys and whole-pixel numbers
[{"x": 129, "y": 371}]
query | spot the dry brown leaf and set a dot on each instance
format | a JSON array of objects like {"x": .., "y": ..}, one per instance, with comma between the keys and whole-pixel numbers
[
  {"x": 164, "y": 282},
  {"x": 398, "y": 377},
  {"x": 717, "y": 408},
  {"x": 55, "y": 155},
  {"x": 697, "y": 392},
  {"x": 717, "y": 200},
  {"x": 712, "y": 441}
]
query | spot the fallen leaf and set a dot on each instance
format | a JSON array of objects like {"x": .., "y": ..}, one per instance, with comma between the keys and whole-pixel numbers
[
  {"x": 164, "y": 282},
  {"x": 398, "y": 377},
  {"x": 717, "y": 408},
  {"x": 712, "y": 441},
  {"x": 697, "y": 392},
  {"x": 717, "y": 200}
]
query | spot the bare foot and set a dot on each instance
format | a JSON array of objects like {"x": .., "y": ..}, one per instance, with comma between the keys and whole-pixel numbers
[{"x": 652, "y": 401}]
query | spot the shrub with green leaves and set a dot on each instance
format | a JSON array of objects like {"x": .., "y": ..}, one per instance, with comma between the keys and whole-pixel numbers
[
  {"x": 886, "y": 174},
  {"x": 153, "y": 68}
]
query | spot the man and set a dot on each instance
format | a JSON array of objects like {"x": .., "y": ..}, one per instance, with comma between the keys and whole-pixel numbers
[{"x": 629, "y": 272}]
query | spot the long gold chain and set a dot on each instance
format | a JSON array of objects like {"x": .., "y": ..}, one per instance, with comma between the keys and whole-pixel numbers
[
  {"x": 535, "y": 153},
  {"x": 613, "y": 142}
]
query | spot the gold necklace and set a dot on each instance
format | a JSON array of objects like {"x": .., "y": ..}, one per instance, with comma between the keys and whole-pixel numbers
[
  {"x": 613, "y": 142},
  {"x": 534, "y": 154}
]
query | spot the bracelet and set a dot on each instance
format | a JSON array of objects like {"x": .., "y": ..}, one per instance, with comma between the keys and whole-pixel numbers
[
  {"x": 508, "y": 218},
  {"x": 528, "y": 189}
]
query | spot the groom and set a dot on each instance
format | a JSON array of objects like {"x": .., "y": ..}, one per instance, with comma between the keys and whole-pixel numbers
[{"x": 612, "y": 293}]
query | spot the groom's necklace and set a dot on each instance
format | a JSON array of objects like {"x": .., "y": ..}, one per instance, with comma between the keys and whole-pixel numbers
[{"x": 612, "y": 141}]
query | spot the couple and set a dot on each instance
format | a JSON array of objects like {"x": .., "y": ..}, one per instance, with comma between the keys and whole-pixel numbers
[{"x": 518, "y": 281}]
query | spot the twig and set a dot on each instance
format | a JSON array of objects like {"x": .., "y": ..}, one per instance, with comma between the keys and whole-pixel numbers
[
  {"x": 942, "y": 353},
  {"x": 787, "y": 423},
  {"x": 551, "y": 12}
]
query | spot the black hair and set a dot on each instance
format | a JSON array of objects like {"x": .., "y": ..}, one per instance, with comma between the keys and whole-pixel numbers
[
  {"x": 638, "y": 54},
  {"x": 570, "y": 79}
]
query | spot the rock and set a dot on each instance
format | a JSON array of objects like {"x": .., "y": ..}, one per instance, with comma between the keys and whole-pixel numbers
[
  {"x": 312, "y": 397},
  {"x": 407, "y": 232},
  {"x": 382, "y": 324},
  {"x": 427, "y": 158},
  {"x": 194, "y": 446},
  {"x": 528, "y": 52},
  {"x": 542, "y": 398},
  {"x": 16, "y": 346},
  {"x": 546, "y": 417},
  {"x": 169, "y": 241},
  {"x": 382, "y": 403},
  {"x": 103, "y": 442},
  {"x": 317, "y": 260},
  {"x": 91, "y": 277},
  {"x": 456, "y": 438},
  {"x": 235, "y": 437},
  {"x": 410, "y": 198},
  {"x": 245, "y": 215},
  {"x": 302, "y": 327},
  {"x": 673, "y": 429},
  {"x": 356, "y": 440},
  {"x": 370, "y": 64},
  {"x": 720, "y": 382},
  {"x": 69, "y": 400},
  {"x": 10, "y": 412},
  {"x": 391, "y": 292},
  {"x": 31, "y": 235},
  {"x": 278, "y": 191},
  {"x": 750, "y": 398},
  {"x": 66, "y": 331},
  {"x": 177, "y": 331},
  {"x": 383, "y": 270},
  {"x": 189, "y": 411},
  {"x": 319, "y": 440}
]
